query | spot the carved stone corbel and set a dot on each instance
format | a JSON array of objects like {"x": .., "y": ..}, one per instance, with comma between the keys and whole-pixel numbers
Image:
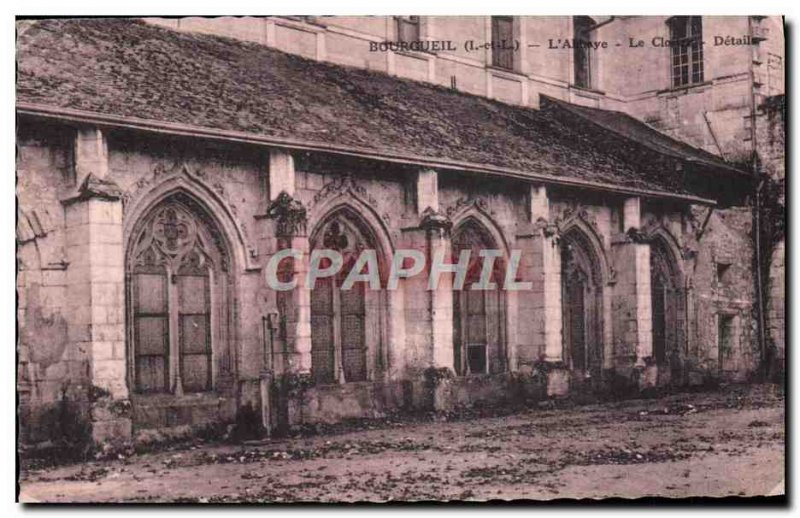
[
  {"x": 435, "y": 220},
  {"x": 290, "y": 215},
  {"x": 547, "y": 228},
  {"x": 635, "y": 235}
]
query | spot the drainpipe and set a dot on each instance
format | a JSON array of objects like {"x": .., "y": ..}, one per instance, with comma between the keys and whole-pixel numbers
[
  {"x": 598, "y": 25},
  {"x": 757, "y": 216},
  {"x": 760, "y": 282}
]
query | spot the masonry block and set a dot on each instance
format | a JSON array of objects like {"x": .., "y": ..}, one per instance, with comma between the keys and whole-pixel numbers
[
  {"x": 427, "y": 189},
  {"x": 558, "y": 382},
  {"x": 281, "y": 173}
]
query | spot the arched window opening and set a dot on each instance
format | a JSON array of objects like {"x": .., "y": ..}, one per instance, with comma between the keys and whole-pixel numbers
[
  {"x": 666, "y": 304},
  {"x": 177, "y": 274},
  {"x": 581, "y": 296},
  {"x": 346, "y": 325},
  {"x": 477, "y": 314}
]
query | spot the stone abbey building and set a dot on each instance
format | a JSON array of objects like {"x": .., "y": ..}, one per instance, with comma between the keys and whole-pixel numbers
[{"x": 161, "y": 163}]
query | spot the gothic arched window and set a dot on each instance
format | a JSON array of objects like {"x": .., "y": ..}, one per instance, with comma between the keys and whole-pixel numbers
[
  {"x": 581, "y": 296},
  {"x": 477, "y": 314},
  {"x": 345, "y": 324},
  {"x": 666, "y": 307},
  {"x": 177, "y": 277}
]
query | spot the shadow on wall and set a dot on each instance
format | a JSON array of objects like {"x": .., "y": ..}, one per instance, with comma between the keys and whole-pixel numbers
[
  {"x": 44, "y": 333},
  {"x": 57, "y": 432}
]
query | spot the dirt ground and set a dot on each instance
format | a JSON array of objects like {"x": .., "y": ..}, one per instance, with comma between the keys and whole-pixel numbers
[{"x": 701, "y": 444}]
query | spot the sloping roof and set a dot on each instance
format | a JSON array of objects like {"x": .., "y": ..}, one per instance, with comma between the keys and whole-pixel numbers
[
  {"x": 634, "y": 129},
  {"x": 126, "y": 68}
]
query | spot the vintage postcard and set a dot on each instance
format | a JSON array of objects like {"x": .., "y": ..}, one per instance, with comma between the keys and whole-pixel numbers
[{"x": 400, "y": 258}]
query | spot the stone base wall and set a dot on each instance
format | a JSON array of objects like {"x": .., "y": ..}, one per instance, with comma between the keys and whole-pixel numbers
[
  {"x": 332, "y": 403},
  {"x": 776, "y": 311},
  {"x": 189, "y": 410}
]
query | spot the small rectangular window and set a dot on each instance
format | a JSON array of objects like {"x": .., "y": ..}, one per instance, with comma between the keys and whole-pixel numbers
[
  {"x": 476, "y": 358},
  {"x": 686, "y": 44},
  {"x": 407, "y": 28},
  {"x": 725, "y": 337},
  {"x": 503, "y": 42},
  {"x": 582, "y": 54},
  {"x": 722, "y": 273}
]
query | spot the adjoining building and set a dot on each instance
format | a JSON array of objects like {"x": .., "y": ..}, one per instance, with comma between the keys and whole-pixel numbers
[{"x": 159, "y": 170}]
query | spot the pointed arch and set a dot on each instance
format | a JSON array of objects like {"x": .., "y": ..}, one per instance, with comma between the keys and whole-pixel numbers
[
  {"x": 211, "y": 241},
  {"x": 479, "y": 316},
  {"x": 359, "y": 209},
  {"x": 471, "y": 232},
  {"x": 584, "y": 275},
  {"x": 477, "y": 212},
  {"x": 368, "y": 227},
  {"x": 180, "y": 293},
  {"x": 660, "y": 237},
  {"x": 345, "y": 192},
  {"x": 668, "y": 304},
  {"x": 348, "y": 326},
  {"x": 581, "y": 231},
  {"x": 208, "y": 201}
]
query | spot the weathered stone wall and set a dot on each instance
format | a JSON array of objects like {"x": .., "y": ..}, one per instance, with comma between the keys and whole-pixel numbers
[
  {"x": 725, "y": 241},
  {"x": 72, "y": 277},
  {"x": 771, "y": 138},
  {"x": 52, "y": 366}
]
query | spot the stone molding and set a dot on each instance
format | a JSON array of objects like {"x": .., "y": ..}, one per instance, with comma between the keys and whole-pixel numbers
[
  {"x": 162, "y": 183},
  {"x": 95, "y": 187},
  {"x": 343, "y": 186},
  {"x": 435, "y": 220}
]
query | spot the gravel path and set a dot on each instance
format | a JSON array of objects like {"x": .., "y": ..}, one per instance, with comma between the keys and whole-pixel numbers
[{"x": 706, "y": 444}]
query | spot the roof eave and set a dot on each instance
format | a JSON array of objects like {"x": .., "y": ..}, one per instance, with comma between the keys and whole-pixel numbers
[
  {"x": 720, "y": 168},
  {"x": 178, "y": 129}
]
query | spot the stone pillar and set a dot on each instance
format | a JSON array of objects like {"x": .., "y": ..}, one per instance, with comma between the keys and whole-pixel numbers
[
  {"x": 293, "y": 307},
  {"x": 265, "y": 390},
  {"x": 302, "y": 304},
  {"x": 427, "y": 191},
  {"x": 281, "y": 174},
  {"x": 429, "y": 310},
  {"x": 547, "y": 245},
  {"x": 96, "y": 287},
  {"x": 91, "y": 154},
  {"x": 776, "y": 311},
  {"x": 436, "y": 227},
  {"x": 290, "y": 230},
  {"x": 540, "y": 308},
  {"x": 428, "y": 313},
  {"x": 632, "y": 297},
  {"x": 440, "y": 303}
]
